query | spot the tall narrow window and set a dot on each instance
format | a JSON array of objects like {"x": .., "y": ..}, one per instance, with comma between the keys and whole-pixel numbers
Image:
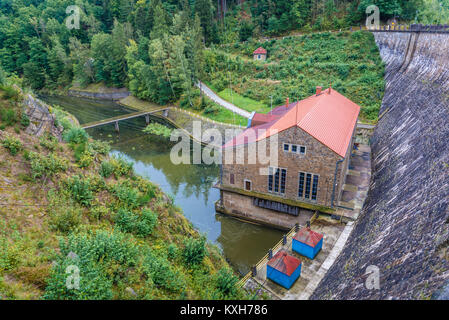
[
  {"x": 276, "y": 180},
  {"x": 283, "y": 178},
  {"x": 302, "y": 150},
  {"x": 301, "y": 184},
  {"x": 308, "y": 182},
  {"x": 248, "y": 185},
  {"x": 294, "y": 148},
  {"x": 286, "y": 147},
  {"x": 231, "y": 178},
  {"x": 314, "y": 187},
  {"x": 270, "y": 179}
]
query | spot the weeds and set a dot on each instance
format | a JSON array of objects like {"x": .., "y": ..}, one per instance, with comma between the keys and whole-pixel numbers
[{"x": 14, "y": 145}]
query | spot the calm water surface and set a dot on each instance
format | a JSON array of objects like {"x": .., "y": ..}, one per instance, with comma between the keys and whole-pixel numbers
[{"x": 191, "y": 185}]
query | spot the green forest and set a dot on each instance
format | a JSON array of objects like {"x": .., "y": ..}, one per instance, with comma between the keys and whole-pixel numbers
[{"x": 157, "y": 48}]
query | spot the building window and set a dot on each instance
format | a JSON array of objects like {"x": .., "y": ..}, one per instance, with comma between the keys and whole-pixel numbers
[
  {"x": 294, "y": 148},
  {"x": 270, "y": 179},
  {"x": 314, "y": 187},
  {"x": 308, "y": 182},
  {"x": 301, "y": 184},
  {"x": 277, "y": 180},
  {"x": 248, "y": 185},
  {"x": 283, "y": 178},
  {"x": 308, "y": 186},
  {"x": 258, "y": 57},
  {"x": 231, "y": 178}
]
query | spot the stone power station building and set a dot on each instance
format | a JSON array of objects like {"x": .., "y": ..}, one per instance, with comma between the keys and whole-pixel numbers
[{"x": 315, "y": 138}]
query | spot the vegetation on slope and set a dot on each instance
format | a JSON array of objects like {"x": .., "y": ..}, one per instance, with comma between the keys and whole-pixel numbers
[
  {"x": 69, "y": 207},
  {"x": 350, "y": 62},
  {"x": 156, "y": 48}
]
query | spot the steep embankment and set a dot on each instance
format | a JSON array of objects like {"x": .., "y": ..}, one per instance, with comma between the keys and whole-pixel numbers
[
  {"x": 403, "y": 229},
  {"x": 67, "y": 207}
]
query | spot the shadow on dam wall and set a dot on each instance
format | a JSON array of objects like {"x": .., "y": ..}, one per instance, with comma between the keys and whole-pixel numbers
[{"x": 403, "y": 229}]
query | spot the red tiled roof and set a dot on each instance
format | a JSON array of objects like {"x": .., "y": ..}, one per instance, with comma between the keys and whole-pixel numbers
[
  {"x": 329, "y": 117},
  {"x": 308, "y": 236},
  {"x": 260, "y": 50},
  {"x": 284, "y": 262}
]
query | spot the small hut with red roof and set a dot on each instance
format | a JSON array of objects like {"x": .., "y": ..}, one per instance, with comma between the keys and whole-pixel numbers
[
  {"x": 260, "y": 54},
  {"x": 284, "y": 269},
  {"x": 307, "y": 242}
]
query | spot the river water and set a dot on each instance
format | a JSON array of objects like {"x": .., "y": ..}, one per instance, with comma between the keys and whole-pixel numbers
[{"x": 243, "y": 244}]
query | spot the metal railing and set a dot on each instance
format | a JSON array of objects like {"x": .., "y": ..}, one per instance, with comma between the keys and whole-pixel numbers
[{"x": 262, "y": 262}]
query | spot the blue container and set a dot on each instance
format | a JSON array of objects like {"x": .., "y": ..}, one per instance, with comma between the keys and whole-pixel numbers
[
  {"x": 307, "y": 242},
  {"x": 283, "y": 279},
  {"x": 284, "y": 269},
  {"x": 306, "y": 250}
]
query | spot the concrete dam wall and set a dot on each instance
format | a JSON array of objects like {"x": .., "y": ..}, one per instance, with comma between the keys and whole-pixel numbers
[{"x": 403, "y": 229}]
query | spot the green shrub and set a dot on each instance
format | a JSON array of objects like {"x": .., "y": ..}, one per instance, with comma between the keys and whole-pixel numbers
[
  {"x": 139, "y": 224},
  {"x": 128, "y": 196},
  {"x": 65, "y": 215},
  {"x": 121, "y": 167},
  {"x": 24, "y": 120},
  {"x": 2, "y": 77},
  {"x": 162, "y": 274},
  {"x": 8, "y": 116},
  {"x": 80, "y": 190},
  {"x": 75, "y": 135},
  {"x": 42, "y": 165},
  {"x": 106, "y": 169},
  {"x": 12, "y": 144},
  {"x": 85, "y": 160},
  {"x": 9, "y": 254},
  {"x": 49, "y": 142},
  {"x": 97, "y": 146},
  {"x": 10, "y": 93},
  {"x": 102, "y": 259},
  {"x": 225, "y": 281},
  {"x": 158, "y": 129},
  {"x": 172, "y": 251},
  {"x": 194, "y": 250}
]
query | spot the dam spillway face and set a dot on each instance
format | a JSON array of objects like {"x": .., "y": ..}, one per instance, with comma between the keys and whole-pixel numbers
[{"x": 403, "y": 229}]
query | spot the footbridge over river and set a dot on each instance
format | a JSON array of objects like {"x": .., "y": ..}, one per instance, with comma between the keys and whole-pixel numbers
[{"x": 116, "y": 120}]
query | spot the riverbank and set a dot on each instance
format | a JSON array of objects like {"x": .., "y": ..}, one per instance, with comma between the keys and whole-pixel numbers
[
  {"x": 98, "y": 91},
  {"x": 189, "y": 185},
  {"x": 183, "y": 119},
  {"x": 64, "y": 206}
]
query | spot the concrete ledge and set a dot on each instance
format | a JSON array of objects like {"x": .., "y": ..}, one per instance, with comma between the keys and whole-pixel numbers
[{"x": 290, "y": 202}]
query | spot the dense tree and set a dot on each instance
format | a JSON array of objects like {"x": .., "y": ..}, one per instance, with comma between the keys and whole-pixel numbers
[{"x": 156, "y": 47}]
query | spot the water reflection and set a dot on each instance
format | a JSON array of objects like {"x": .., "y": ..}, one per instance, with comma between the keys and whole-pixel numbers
[{"x": 191, "y": 185}]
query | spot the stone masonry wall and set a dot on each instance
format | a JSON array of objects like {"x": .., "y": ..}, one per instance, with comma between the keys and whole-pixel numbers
[
  {"x": 403, "y": 228},
  {"x": 318, "y": 159}
]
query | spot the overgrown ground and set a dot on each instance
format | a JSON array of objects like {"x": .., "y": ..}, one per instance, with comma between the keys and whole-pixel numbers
[
  {"x": 68, "y": 207},
  {"x": 349, "y": 61}
]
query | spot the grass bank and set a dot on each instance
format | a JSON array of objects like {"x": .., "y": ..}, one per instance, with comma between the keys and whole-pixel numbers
[
  {"x": 70, "y": 205},
  {"x": 350, "y": 61}
]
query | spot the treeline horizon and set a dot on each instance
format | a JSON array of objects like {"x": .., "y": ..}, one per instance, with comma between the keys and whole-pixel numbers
[{"x": 155, "y": 48}]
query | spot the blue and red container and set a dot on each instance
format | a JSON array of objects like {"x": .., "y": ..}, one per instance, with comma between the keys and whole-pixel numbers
[
  {"x": 284, "y": 269},
  {"x": 307, "y": 242}
]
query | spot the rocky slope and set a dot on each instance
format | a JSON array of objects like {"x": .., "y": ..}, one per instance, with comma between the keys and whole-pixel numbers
[{"x": 404, "y": 226}]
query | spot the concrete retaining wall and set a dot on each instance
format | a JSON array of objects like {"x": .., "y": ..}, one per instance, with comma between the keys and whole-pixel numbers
[{"x": 403, "y": 229}]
